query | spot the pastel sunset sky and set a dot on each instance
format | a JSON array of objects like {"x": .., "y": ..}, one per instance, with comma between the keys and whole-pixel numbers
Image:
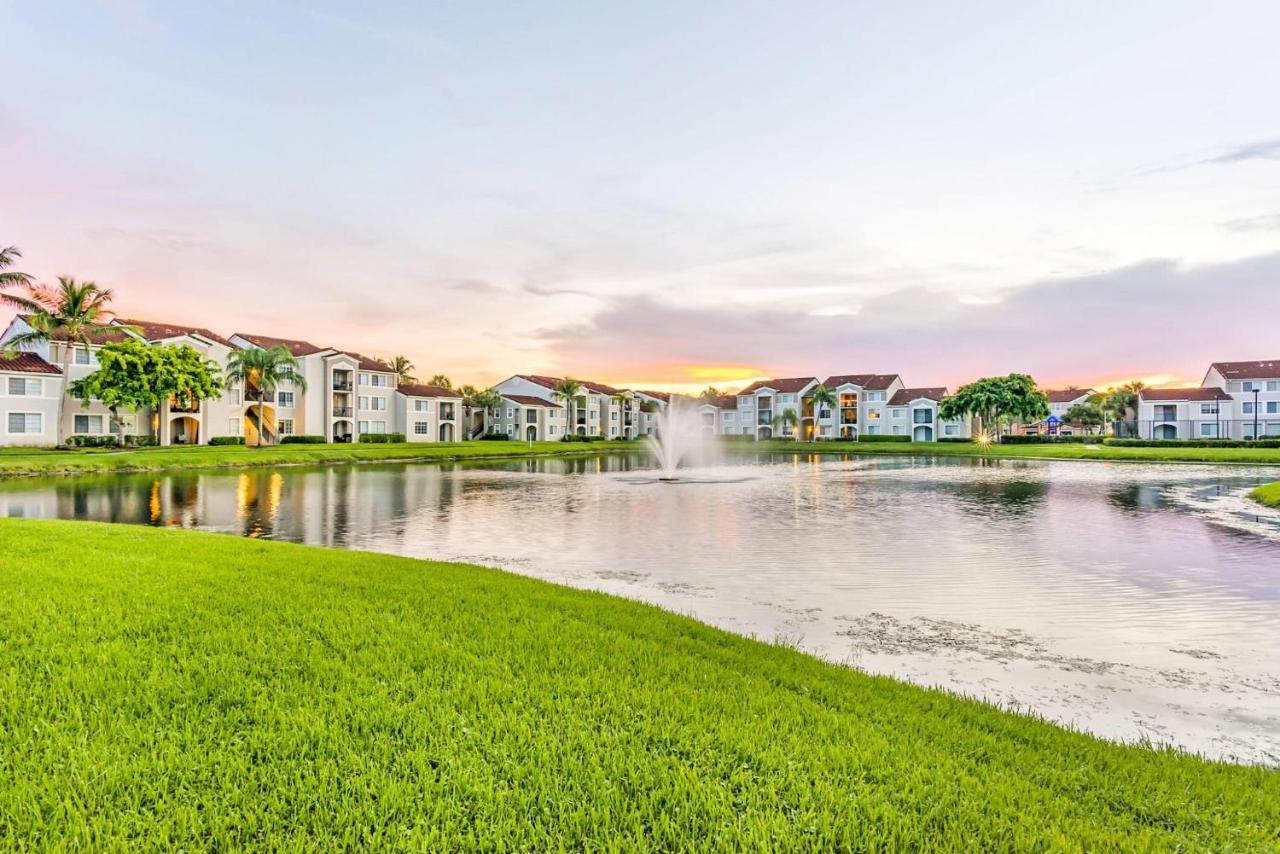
[{"x": 665, "y": 194}]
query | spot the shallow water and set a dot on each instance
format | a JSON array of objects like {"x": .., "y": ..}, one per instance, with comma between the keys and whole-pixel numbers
[{"x": 1133, "y": 601}]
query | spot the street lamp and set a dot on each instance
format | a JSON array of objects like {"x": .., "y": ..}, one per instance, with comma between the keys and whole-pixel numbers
[{"x": 1255, "y": 411}]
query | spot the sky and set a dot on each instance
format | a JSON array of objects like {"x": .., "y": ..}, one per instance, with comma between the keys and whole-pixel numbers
[{"x": 665, "y": 195}]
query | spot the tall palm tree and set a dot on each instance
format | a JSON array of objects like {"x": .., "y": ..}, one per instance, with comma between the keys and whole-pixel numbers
[
  {"x": 567, "y": 392},
  {"x": 820, "y": 396},
  {"x": 402, "y": 368},
  {"x": 784, "y": 419},
  {"x": 11, "y": 278},
  {"x": 261, "y": 371},
  {"x": 440, "y": 380},
  {"x": 486, "y": 401},
  {"x": 75, "y": 313}
]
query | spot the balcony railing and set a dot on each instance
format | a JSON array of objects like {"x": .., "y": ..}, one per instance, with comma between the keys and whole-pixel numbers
[
  {"x": 446, "y": 412},
  {"x": 342, "y": 412},
  {"x": 922, "y": 418},
  {"x": 175, "y": 406},
  {"x": 263, "y": 397},
  {"x": 342, "y": 385}
]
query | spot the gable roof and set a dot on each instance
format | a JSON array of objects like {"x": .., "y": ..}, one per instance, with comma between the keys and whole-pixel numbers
[
  {"x": 104, "y": 337},
  {"x": 1066, "y": 395},
  {"x": 266, "y": 342},
  {"x": 156, "y": 331},
  {"x": 871, "y": 382},
  {"x": 1197, "y": 393},
  {"x": 530, "y": 400},
  {"x": 1265, "y": 370},
  {"x": 785, "y": 385},
  {"x": 27, "y": 363},
  {"x": 664, "y": 396},
  {"x": 417, "y": 390},
  {"x": 724, "y": 401},
  {"x": 369, "y": 364},
  {"x": 551, "y": 382},
  {"x": 902, "y": 397}
]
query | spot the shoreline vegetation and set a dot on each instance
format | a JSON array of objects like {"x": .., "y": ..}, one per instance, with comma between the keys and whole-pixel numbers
[
  {"x": 33, "y": 462},
  {"x": 1268, "y": 495},
  {"x": 180, "y": 689}
]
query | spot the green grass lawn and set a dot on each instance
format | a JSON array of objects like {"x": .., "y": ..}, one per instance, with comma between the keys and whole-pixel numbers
[
  {"x": 1064, "y": 451},
  {"x": 1268, "y": 494},
  {"x": 169, "y": 689},
  {"x": 15, "y": 462}
]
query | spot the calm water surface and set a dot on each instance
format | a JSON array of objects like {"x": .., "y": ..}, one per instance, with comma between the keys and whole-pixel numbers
[{"x": 1135, "y": 601}]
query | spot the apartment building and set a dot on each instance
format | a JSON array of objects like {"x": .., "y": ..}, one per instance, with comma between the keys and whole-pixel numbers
[
  {"x": 30, "y": 388},
  {"x": 427, "y": 413},
  {"x": 862, "y": 405},
  {"x": 651, "y": 405},
  {"x": 1185, "y": 413},
  {"x": 1254, "y": 389},
  {"x": 914, "y": 412},
  {"x": 529, "y": 417},
  {"x": 719, "y": 417},
  {"x": 761, "y": 407}
]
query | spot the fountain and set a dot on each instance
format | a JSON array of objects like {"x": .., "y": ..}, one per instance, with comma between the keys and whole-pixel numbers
[{"x": 679, "y": 439}]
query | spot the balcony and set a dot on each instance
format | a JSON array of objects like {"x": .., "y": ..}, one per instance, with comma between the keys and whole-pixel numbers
[
  {"x": 446, "y": 412},
  {"x": 922, "y": 417},
  {"x": 766, "y": 417},
  {"x": 1166, "y": 414},
  {"x": 255, "y": 396},
  {"x": 343, "y": 412},
  {"x": 175, "y": 406},
  {"x": 342, "y": 385}
]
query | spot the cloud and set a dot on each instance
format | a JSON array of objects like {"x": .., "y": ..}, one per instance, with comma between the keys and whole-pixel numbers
[
  {"x": 1158, "y": 317},
  {"x": 1266, "y": 222},
  {"x": 1266, "y": 149},
  {"x": 476, "y": 286}
]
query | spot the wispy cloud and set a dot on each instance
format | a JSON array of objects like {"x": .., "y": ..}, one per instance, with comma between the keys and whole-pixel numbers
[
  {"x": 1266, "y": 149},
  {"x": 1266, "y": 222}
]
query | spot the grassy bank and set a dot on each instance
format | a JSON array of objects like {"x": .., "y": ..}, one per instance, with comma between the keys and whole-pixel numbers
[
  {"x": 1268, "y": 495},
  {"x": 26, "y": 462},
  {"x": 1064, "y": 451},
  {"x": 168, "y": 689}
]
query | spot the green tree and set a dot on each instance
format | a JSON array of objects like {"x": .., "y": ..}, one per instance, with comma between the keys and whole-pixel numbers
[
  {"x": 73, "y": 313},
  {"x": 487, "y": 401},
  {"x": 1088, "y": 415},
  {"x": 440, "y": 380},
  {"x": 402, "y": 368},
  {"x": 787, "y": 420},
  {"x": 710, "y": 394},
  {"x": 567, "y": 391},
  {"x": 995, "y": 400},
  {"x": 261, "y": 371},
  {"x": 820, "y": 396},
  {"x": 1117, "y": 403},
  {"x": 11, "y": 278},
  {"x": 132, "y": 375}
]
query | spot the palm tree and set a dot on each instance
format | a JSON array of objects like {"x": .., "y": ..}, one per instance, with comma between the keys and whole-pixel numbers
[
  {"x": 486, "y": 401},
  {"x": 10, "y": 278},
  {"x": 567, "y": 392},
  {"x": 710, "y": 394},
  {"x": 440, "y": 380},
  {"x": 74, "y": 312},
  {"x": 786, "y": 418},
  {"x": 402, "y": 368},
  {"x": 622, "y": 400},
  {"x": 820, "y": 396},
  {"x": 261, "y": 371}
]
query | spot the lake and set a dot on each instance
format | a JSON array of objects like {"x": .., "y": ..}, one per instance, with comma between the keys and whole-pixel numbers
[{"x": 1135, "y": 601}]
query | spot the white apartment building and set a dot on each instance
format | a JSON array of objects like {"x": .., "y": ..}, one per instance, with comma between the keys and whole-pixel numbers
[
  {"x": 862, "y": 405},
  {"x": 914, "y": 412},
  {"x": 427, "y": 413},
  {"x": 760, "y": 408},
  {"x": 600, "y": 410},
  {"x": 528, "y": 417},
  {"x": 1184, "y": 413},
  {"x": 1254, "y": 388},
  {"x": 30, "y": 388},
  {"x": 652, "y": 404}
]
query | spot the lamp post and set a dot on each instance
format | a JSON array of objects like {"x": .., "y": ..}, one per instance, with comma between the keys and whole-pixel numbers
[{"x": 1255, "y": 411}]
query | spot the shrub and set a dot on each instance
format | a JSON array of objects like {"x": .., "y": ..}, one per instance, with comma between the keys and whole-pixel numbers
[
  {"x": 881, "y": 438},
  {"x": 955, "y": 439},
  {"x": 494, "y": 437},
  {"x": 95, "y": 441},
  {"x": 303, "y": 439},
  {"x": 227, "y": 440},
  {"x": 381, "y": 438},
  {"x": 136, "y": 441},
  {"x": 1193, "y": 443},
  {"x": 1049, "y": 440},
  {"x": 575, "y": 438}
]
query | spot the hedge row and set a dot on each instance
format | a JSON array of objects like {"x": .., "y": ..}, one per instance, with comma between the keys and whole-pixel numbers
[
  {"x": 1194, "y": 443},
  {"x": 381, "y": 438},
  {"x": 1049, "y": 440},
  {"x": 495, "y": 437},
  {"x": 109, "y": 440},
  {"x": 303, "y": 440},
  {"x": 227, "y": 440},
  {"x": 582, "y": 438}
]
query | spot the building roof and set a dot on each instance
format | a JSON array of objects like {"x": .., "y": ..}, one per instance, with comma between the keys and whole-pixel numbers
[
  {"x": 105, "y": 337},
  {"x": 600, "y": 388},
  {"x": 369, "y": 364},
  {"x": 871, "y": 382},
  {"x": 1196, "y": 393},
  {"x": 551, "y": 382},
  {"x": 27, "y": 363},
  {"x": 904, "y": 396},
  {"x": 417, "y": 390},
  {"x": 665, "y": 397},
  {"x": 1066, "y": 395},
  {"x": 297, "y": 348},
  {"x": 156, "y": 331},
  {"x": 787, "y": 385},
  {"x": 530, "y": 400},
  {"x": 724, "y": 401},
  {"x": 1267, "y": 370}
]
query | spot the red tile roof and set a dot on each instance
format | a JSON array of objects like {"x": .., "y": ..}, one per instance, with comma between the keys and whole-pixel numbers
[
  {"x": 27, "y": 363},
  {"x": 1267, "y": 370},
  {"x": 416, "y": 390},
  {"x": 369, "y": 364},
  {"x": 105, "y": 337},
  {"x": 156, "y": 331},
  {"x": 266, "y": 342},
  {"x": 1197, "y": 393},
  {"x": 665, "y": 397},
  {"x": 529, "y": 400},
  {"x": 904, "y": 396},
  {"x": 786, "y": 385},
  {"x": 871, "y": 382},
  {"x": 1066, "y": 395},
  {"x": 726, "y": 401},
  {"x": 550, "y": 382}
]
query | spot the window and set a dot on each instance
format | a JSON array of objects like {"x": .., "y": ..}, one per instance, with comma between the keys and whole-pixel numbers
[
  {"x": 948, "y": 429},
  {"x": 26, "y": 422},
  {"x": 422, "y": 406},
  {"x": 873, "y": 414},
  {"x": 1233, "y": 387},
  {"x": 788, "y": 398},
  {"x": 286, "y": 426},
  {"x": 613, "y": 416},
  {"x": 233, "y": 426},
  {"x": 897, "y": 431},
  {"x": 286, "y": 374},
  {"x": 379, "y": 380},
  {"x": 87, "y": 424},
  {"x": 83, "y": 356},
  {"x": 511, "y": 413},
  {"x": 285, "y": 399},
  {"x": 1273, "y": 385},
  {"x": 1250, "y": 386},
  {"x": 1273, "y": 406},
  {"x": 233, "y": 396},
  {"x": 25, "y": 387},
  {"x": 873, "y": 431},
  {"x": 1209, "y": 408},
  {"x": 378, "y": 404},
  {"x": 363, "y": 426},
  {"x": 1209, "y": 430},
  {"x": 511, "y": 429},
  {"x": 364, "y": 379},
  {"x": 378, "y": 426},
  {"x": 899, "y": 413},
  {"x": 421, "y": 428},
  {"x": 551, "y": 430},
  {"x": 1247, "y": 408}
]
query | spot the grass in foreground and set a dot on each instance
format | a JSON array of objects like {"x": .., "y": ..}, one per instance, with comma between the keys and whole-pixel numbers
[
  {"x": 1268, "y": 494},
  {"x": 16, "y": 462},
  {"x": 1065, "y": 451},
  {"x": 166, "y": 689}
]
